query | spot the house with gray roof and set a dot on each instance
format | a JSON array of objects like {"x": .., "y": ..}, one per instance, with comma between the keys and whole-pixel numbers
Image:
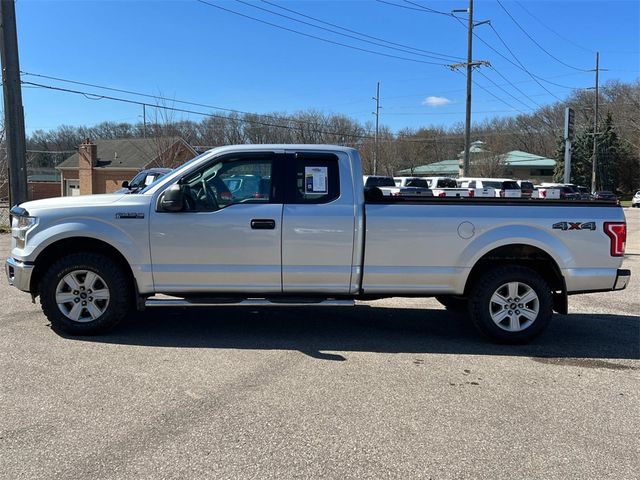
[
  {"x": 102, "y": 166},
  {"x": 517, "y": 164}
]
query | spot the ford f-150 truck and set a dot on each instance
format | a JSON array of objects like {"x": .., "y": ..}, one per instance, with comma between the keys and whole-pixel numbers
[{"x": 308, "y": 235}]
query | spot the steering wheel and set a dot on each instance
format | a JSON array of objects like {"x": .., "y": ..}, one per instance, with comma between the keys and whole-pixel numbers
[{"x": 209, "y": 194}]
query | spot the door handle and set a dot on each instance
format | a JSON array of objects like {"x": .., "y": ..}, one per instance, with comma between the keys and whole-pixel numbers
[{"x": 263, "y": 224}]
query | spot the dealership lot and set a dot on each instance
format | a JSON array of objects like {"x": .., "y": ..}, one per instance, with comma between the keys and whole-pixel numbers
[{"x": 397, "y": 388}]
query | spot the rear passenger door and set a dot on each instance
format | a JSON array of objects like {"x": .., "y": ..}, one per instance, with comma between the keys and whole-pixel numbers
[{"x": 318, "y": 224}]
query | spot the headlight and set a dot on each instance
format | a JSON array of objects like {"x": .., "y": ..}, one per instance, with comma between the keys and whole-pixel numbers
[{"x": 19, "y": 228}]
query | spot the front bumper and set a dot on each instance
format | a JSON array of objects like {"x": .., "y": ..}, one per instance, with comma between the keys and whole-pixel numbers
[{"x": 18, "y": 274}]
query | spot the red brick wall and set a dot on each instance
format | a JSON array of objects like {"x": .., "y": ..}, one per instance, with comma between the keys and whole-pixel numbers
[{"x": 39, "y": 190}]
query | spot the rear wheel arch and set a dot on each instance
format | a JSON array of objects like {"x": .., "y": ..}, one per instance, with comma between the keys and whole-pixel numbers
[{"x": 518, "y": 254}]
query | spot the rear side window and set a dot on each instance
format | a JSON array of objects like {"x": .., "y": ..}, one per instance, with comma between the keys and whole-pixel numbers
[
  {"x": 313, "y": 178},
  {"x": 510, "y": 186}
]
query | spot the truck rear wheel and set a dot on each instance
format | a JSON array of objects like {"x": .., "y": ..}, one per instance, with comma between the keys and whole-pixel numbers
[
  {"x": 84, "y": 294},
  {"x": 511, "y": 304}
]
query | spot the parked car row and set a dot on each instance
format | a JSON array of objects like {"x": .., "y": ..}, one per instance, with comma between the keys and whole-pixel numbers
[{"x": 483, "y": 187}]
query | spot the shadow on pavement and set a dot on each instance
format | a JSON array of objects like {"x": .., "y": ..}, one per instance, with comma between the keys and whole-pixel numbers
[{"x": 364, "y": 328}]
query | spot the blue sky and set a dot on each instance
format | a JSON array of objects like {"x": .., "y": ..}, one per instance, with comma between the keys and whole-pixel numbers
[{"x": 187, "y": 50}]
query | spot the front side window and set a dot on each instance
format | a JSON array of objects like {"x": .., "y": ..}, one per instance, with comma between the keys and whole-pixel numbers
[{"x": 228, "y": 181}]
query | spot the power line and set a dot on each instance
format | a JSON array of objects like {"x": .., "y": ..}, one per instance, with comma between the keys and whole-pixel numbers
[
  {"x": 242, "y": 120},
  {"x": 456, "y": 138},
  {"x": 514, "y": 86},
  {"x": 359, "y": 33},
  {"x": 340, "y": 33},
  {"x": 521, "y": 65},
  {"x": 326, "y": 40},
  {"x": 194, "y": 112},
  {"x": 428, "y": 9},
  {"x": 503, "y": 90},
  {"x": 535, "y": 42},
  {"x": 535, "y": 77},
  {"x": 421, "y": 9},
  {"x": 155, "y": 97},
  {"x": 552, "y": 30},
  {"x": 494, "y": 96}
]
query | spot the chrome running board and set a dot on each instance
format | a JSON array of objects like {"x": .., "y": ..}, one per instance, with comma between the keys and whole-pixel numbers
[{"x": 248, "y": 302}]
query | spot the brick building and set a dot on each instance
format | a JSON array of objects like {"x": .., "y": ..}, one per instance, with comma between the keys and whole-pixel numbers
[{"x": 102, "y": 166}]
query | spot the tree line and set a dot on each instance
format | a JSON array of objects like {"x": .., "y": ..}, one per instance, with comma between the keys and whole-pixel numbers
[{"x": 539, "y": 132}]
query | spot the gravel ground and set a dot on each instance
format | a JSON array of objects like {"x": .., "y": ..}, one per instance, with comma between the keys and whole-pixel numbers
[{"x": 389, "y": 389}]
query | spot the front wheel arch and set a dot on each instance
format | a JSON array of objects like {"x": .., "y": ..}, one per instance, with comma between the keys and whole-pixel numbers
[{"x": 66, "y": 246}]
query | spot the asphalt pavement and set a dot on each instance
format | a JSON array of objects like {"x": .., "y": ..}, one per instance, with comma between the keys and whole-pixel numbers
[{"x": 398, "y": 388}]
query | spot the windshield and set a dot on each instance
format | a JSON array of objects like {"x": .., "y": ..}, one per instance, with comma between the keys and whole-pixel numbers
[
  {"x": 447, "y": 183},
  {"x": 137, "y": 180},
  {"x": 417, "y": 182},
  {"x": 176, "y": 171}
]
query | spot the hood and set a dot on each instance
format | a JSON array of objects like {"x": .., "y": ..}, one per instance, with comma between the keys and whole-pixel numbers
[{"x": 76, "y": 201}]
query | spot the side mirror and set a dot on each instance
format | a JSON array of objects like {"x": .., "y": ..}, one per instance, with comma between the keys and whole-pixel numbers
[
  {"x": 172, "y": 200},
  {"x": 125, "y": 184}
]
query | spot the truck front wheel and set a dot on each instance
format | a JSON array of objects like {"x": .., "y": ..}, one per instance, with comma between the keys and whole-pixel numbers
[
  {"x": 84, "y": 294},
  {"x": 511, "y": 304}
]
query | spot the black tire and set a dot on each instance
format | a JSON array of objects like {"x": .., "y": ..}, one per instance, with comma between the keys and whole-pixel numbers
[
  {"x": 110, "y": 277},
  {"x": 454, "y": 303},
  {"x": 483, "y": 310}
]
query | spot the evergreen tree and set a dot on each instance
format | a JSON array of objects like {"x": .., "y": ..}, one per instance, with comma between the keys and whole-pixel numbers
[
  {"x": 613, "y": 154},
  {"x": 580, "y": 160}
]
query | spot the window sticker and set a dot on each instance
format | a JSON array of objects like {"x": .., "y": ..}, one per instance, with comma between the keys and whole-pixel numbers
[{"x": 315, "y": 180}]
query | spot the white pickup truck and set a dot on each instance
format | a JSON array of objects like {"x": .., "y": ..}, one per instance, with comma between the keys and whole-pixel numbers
[
  {"x": 308, "y": 235},
  {"x": 396, "y": 186}
]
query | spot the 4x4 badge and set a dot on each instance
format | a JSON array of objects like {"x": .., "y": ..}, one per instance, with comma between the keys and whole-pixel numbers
[{"x": 574, "y": 226}]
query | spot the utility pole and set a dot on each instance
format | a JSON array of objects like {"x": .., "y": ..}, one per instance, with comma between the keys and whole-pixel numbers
[
  {"x": 13, "y": 111},
  {"x": 594, "y": 160},
  {"x": 377, "y": 114},
  {"x": 467, "y": 118},
  {"x": 144, "y": 120},
  {"x": 568, "y": 138},
  {"x": 466, "y": 169}
]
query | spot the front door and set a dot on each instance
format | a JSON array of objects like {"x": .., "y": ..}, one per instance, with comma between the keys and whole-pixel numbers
[{"x": 227, "y": 237}]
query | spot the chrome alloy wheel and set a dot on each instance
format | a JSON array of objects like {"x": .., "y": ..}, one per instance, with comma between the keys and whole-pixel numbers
[
  {"x": 514, "y": 306},
  {"x": 82, "y": 296}
]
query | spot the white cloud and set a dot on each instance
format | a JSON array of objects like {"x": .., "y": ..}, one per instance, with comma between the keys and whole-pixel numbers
[{"x": 436, "y": 101}]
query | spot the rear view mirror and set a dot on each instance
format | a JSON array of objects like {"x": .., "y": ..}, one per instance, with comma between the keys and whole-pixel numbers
[{"x": 172, "y": 200}]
